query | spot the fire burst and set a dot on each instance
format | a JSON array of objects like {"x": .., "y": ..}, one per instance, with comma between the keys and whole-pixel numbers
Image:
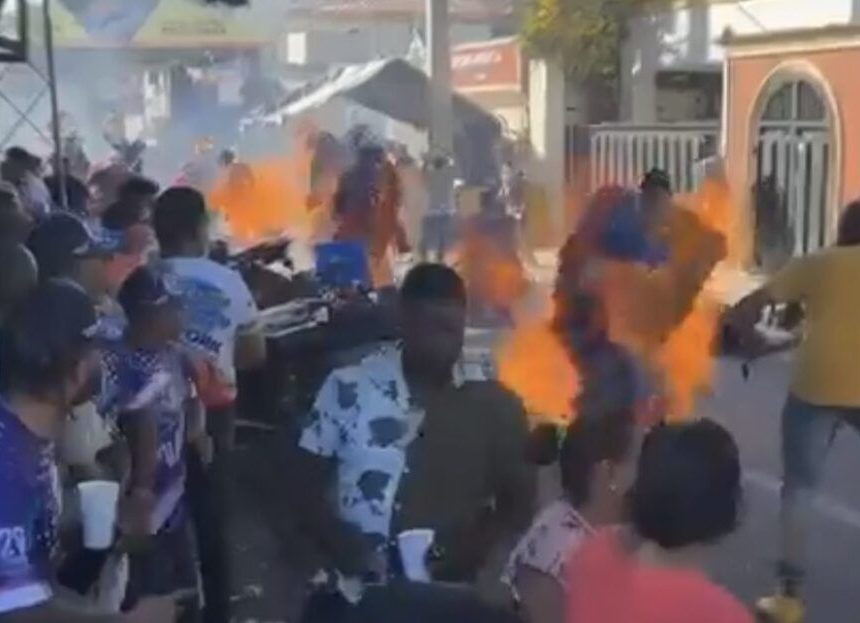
[{"x": 666, "y": 316}]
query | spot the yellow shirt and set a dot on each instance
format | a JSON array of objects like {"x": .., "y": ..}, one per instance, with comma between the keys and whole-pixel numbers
[{"x": 827, "y": 371}]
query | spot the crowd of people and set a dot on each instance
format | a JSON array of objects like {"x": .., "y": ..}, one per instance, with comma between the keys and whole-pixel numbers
[{"x": 120, "y": 341}]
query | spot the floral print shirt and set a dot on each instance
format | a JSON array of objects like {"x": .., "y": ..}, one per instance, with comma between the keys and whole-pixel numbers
[
  {"x": 556, "y": 533},
  {"x": 364, "y": 418}
]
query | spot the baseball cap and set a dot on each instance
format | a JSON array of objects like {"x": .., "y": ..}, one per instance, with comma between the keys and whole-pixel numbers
[
  {"x": 146, "y": 288},
  {"x": 63, "y": 237},
  {"x": 656, "y": 178},
  {"x": 48, "y": 325}
]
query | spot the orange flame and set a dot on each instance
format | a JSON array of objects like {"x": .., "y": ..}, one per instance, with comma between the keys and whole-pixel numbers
[
  {"x": 643, "y": 304},
  {"x": 263, "y": 198},
  {"x": 270, "y": 196},
  {"x": 687, "y": 357},
  {"x": 667, "y": 318},
  {"x": 492, "y": 276},
  {"x": 533, "y": 363}
]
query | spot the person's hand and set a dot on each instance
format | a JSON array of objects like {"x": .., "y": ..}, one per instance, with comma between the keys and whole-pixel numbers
[{"x": 153, "y": 610}]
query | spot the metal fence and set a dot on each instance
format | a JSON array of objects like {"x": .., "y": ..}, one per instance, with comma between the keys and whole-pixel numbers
[
  {"x": 619, "y": 153},
  {"x": 790, "y": 189},
  {"x": 792, "y": 173}
]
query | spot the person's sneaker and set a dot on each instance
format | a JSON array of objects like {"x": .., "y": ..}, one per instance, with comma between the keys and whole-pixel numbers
[{"x": 780, "y": 608}]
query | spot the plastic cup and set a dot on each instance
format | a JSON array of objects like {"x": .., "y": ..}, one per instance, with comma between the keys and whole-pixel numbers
[
  {"x": 98, "y": 511},
  {"x": 414, "y": 546}
]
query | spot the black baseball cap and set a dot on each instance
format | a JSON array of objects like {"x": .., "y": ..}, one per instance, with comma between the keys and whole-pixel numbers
[
  {"x": 147, "y": 288},
  {"x": 62, "y": 238},
  {"x": 48, "y": 326},
  {"x": 656, "y": 178}
]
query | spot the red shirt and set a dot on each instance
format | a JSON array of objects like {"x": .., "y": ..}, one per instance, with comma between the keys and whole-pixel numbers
[{"x": 609, "y": 586}]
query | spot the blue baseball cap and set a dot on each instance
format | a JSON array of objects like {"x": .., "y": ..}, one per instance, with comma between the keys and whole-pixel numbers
[
  {"x": 147, "y": 288},
  {"x": 62, "y": 238}
]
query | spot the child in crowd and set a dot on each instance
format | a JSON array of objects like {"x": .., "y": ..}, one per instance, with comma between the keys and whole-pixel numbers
[
  {"x": 150, "y": 394},
  {"x": 596, "y": 462}
]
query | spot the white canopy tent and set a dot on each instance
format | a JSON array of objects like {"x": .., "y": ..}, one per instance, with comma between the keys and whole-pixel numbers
[
  {"x": 399, "y": 90},
  {"x": 393, "y": 87}
]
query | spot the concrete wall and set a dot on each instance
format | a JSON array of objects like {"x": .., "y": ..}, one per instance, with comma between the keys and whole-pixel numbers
[{"x": 686, "y": 39}]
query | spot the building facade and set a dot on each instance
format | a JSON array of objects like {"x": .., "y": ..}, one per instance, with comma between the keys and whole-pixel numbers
[
  {"x": 673, "y": 59},
  {"x": 790, "y": 133}
]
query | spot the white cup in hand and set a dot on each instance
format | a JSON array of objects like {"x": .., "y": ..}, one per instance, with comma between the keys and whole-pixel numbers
[
  {"x": 414, "y": 547},
  {"x": 98, "y": 512}
]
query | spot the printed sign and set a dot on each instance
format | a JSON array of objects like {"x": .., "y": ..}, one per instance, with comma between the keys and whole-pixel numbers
[{"x": 487, "y": 66}]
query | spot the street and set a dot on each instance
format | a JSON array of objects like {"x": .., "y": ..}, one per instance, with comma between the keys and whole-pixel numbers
[{"x": 744, "y": 563}]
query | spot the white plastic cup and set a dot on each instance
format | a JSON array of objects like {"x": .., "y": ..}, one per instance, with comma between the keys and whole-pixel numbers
[
  {"x": 98, "y": 512},
  {"x": 414, "y": 546}
]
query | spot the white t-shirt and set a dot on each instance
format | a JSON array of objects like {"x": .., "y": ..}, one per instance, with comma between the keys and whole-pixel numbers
[{"x": 218, "y": 306}]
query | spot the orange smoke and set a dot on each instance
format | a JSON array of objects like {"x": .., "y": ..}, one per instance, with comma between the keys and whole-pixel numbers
[{"x": 533, "y": 363}]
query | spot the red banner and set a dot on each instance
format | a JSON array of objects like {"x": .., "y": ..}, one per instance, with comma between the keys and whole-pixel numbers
[{"x": 495, "y": 65}]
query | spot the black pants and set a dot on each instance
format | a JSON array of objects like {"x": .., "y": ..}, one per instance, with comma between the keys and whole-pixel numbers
[
  {"x": 210, "y": 503},
  {"x": 166, "y": 566},
  {"x": 405, "y": 602}
]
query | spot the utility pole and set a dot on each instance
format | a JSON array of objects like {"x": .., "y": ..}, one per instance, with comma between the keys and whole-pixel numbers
[
  {"x": 440, "y": 131},
  {"x": 56, "y": 132}
]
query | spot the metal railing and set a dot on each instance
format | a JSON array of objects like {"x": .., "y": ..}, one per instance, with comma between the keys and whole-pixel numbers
[{"x": 619, "y": 153}]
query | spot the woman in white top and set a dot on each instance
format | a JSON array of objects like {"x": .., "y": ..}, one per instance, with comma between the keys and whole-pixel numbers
[{"x": 597, "y": 462}]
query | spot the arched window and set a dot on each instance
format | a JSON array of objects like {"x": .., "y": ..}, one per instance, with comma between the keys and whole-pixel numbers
[
  {"x": 793, "y": 169},
  {"x": 794, "y": 103}
]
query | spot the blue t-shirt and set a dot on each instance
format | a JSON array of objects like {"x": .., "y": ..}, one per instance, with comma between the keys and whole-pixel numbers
[
  {"x": 29, "y": 514},
  {"x": 625, "y": 237},
  {"x": 158, "y": 382}
]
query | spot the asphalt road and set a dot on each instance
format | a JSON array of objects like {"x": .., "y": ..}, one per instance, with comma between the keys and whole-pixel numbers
[{"x": 743, "y": 563}]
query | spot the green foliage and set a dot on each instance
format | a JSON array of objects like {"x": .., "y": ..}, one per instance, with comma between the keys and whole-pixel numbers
[{"x": 584, "y": 35}]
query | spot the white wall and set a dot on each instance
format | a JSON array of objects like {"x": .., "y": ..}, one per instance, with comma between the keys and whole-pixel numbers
[{"x": 688, "y": 40}]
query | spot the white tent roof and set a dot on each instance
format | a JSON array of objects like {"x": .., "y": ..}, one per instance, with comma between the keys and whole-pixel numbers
[{"x": 392, "y": 87}]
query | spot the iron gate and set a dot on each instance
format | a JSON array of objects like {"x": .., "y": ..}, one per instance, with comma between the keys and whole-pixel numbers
[
  {"x": 793, "y": 160},
  {"x": 792, "y": 172},
  {"x": 620, "y": 153}
]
